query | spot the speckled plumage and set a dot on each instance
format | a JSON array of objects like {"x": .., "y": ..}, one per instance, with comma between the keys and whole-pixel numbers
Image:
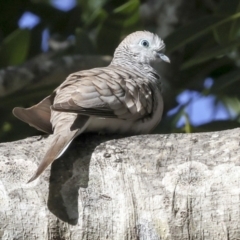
[{"x": 124, "y": 97}]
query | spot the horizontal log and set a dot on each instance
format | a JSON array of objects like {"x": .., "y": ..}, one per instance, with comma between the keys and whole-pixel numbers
[{"x": 177, "y": 186}]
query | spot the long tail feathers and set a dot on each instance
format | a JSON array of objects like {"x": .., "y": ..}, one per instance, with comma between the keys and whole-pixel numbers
[
  {"x": 37, "y": 116},
  {"x": 58, "y": 146}
]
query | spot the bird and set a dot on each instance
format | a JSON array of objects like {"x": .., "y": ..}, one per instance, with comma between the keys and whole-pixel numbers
[{"x": 122, "y": 98}]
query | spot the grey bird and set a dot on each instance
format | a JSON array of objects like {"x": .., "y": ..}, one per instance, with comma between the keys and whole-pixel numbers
[{"x": 124, "y": 97}]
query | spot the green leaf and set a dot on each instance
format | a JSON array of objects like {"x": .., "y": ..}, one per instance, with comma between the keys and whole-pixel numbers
[
  {"x": 14, "y": 48},
  {"x": 122, "y": 20},
  {"x": 91, "y": 9},
  {"x": 187, "y": 127},
  {"x": 228, "y": 31},
  {"x": 130, "y": 13},
  {"x": 83, "y": 42},
  {"x": 217, "y": 126},
  {"x": 231, "y": 103},
  {"x": 95, "y": 18},
  {"x": 168, "y": 124},
  {"x": 221, "y": 83},
  {"x": 208, "y": 54},
  {"x": 92, "y": 5},
  {"x": 196, "y": 29}
]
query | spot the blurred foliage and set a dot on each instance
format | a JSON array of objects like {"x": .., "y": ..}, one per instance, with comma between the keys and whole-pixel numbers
[
  {"x": 10, "y": 52},
  {"x": 209, "y": 45}
]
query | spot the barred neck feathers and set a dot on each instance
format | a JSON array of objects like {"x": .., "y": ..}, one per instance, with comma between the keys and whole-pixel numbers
[
  {"x": 137, "y": 51},
  {"x": 126, "y": 60}
]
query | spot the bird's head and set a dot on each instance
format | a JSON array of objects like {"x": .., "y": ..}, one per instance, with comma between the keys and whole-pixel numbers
[{"x": 141, "y": 47}]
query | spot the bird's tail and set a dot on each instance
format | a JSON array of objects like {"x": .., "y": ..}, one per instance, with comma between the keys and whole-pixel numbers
[{"x": 58, "y": 146}]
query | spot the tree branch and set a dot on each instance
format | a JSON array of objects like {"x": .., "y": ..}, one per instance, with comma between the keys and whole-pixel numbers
[
  {"x": 46, "y": 70},
  {"x": 177, "y": 186}
]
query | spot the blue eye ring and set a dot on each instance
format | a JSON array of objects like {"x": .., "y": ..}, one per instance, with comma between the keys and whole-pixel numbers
[{"x": 145, "y": 43}]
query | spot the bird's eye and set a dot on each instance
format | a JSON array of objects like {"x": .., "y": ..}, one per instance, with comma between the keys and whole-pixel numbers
[{"x": 144, "y": 43}]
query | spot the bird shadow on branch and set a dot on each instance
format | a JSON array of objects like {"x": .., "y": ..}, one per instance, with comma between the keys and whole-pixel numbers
[{"x": 69, "y": 173}]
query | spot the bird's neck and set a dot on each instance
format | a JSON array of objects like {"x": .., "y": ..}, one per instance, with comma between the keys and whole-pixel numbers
[
  {"x": 124, "y": 58},
  {"x": 143, "y": 69}
]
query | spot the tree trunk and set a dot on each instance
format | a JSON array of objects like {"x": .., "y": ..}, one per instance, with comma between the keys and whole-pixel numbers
[{"x": 177, "y": 186}]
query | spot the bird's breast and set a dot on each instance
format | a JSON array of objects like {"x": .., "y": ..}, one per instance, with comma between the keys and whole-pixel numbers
[
  {"x": 110, "y": 125},
  {"x": 119, "y": 126}
]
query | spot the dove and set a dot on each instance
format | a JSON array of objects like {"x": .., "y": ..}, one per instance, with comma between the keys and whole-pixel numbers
[{"x": 122, "y": 98}]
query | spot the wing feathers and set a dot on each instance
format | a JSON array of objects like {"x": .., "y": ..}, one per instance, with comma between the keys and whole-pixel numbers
[
  {"x": 112, "y": 101},
  {"x": 110, "y": 93}
]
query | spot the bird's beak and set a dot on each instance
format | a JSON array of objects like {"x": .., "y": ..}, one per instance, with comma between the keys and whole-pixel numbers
[{"x": 164, "y": 57}]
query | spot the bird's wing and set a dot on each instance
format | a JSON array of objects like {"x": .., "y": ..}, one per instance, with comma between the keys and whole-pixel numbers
[
  {"x": 37, "y": 116},
  {"x": 109, "y": 93}
]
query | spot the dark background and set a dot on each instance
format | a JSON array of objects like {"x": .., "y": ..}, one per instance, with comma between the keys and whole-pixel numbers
[{"x": 42, "y": 41}]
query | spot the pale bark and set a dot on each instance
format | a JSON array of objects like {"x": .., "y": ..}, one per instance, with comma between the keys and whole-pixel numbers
[{"x": 177, "y": 186}]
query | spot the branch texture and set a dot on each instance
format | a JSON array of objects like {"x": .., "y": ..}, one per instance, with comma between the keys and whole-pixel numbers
[
  {"x": 46, "y": 70},
  {"x": 178, "y": 186}
]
